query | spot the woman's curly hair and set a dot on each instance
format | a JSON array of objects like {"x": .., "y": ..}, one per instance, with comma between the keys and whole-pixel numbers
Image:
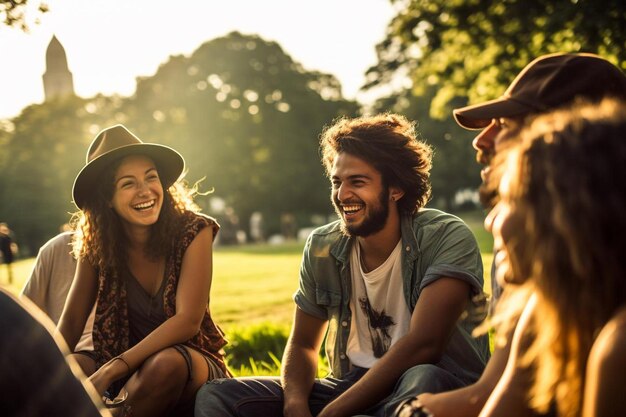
[
  {"x": 100, "y": 237},
  {"x": 389, "y": 143},
  {"x": 568, "y": 183}
]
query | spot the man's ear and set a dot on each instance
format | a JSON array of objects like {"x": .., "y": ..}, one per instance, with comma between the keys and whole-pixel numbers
[{"x": 395, "y": 193}]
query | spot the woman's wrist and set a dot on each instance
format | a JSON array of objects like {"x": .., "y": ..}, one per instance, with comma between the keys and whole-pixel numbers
[{"x": 119, "y": 367}]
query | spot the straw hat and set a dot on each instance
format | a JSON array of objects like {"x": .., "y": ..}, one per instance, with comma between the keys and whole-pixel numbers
[{"x": 117, "y": 142}]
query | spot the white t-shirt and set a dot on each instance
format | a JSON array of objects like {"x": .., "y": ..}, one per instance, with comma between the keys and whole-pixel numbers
[{"x": 380, "y": 315}]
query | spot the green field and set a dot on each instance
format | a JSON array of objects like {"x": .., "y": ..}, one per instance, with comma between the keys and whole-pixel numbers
[{"x": 255, "y": 283}]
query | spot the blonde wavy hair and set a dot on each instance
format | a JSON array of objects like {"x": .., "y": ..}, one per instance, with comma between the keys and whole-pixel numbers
[{"x": 567, "y": 181}]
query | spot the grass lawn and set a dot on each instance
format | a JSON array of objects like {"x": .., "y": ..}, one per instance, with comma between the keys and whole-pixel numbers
[{"x": 255, "y": 283}]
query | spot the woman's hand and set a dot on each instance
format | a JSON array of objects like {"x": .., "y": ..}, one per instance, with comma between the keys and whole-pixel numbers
[{"x": 108, "y": 373}]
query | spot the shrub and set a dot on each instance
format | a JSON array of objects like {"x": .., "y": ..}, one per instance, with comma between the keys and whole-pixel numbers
[
  {"x": 253, "y": 346},
  {"x": 256, "y": 350}
]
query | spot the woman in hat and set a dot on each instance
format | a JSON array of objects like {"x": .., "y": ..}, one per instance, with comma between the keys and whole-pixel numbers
[{"x": 145, "y": 262}]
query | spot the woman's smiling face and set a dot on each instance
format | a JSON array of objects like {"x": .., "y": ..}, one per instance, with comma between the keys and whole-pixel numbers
[{"x": 137, "y": 191}]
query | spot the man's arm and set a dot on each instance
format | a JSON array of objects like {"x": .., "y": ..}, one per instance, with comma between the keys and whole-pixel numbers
[
  {"x": 299, "y": 364},
  {"x": 605, "y": 380},
  {"x": 439, "y": 307}
]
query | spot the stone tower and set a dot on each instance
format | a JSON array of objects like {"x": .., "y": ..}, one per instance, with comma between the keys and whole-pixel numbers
[{"x": 57, "y": 80}]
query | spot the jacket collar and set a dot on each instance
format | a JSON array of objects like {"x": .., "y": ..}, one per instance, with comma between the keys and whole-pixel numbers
[{"x": 340, "y": 249}]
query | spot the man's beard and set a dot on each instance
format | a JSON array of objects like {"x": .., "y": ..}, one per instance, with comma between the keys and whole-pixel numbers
[
  {"x": 488, "y": 195},
  {"x": 488, "y": 190},
  {"x": 374, "y": 221}
]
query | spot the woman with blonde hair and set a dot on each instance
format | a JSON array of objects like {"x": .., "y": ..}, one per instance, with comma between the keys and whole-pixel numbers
[
  {"x": 145, "y": 261},
  {"x": 560, "y": 228}
]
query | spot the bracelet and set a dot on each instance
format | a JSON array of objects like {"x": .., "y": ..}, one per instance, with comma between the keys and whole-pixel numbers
[
  {"x": 121, "y": 357},
  {"x": 115, "y": 402}
]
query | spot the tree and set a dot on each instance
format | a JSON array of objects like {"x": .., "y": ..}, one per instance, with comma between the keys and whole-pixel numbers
[
  {"x": 241, "y": 111},
  {"x": 473, "y": 48},
  {"x": 14, "y": 12},
  {"x": 39, "y": 159},
  {"x": 247, "y": 118},
  {"x": 454, "y": 167}
]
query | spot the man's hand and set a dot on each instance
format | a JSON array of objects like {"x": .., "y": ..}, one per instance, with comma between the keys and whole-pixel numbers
[{"x": 297, "y": 409}]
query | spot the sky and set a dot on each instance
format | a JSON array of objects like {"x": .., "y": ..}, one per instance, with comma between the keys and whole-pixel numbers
[{"x": 109, "y": 43}]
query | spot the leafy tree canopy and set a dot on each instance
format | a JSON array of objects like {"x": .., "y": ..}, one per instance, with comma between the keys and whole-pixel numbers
[
  {"x": 41, "y": 152},
  {"x": 454, "y": 166},
  {"x": 474, "y": 48},
  {"x": 14, "y": 12},
  {"x": 243, "y": 114},
  {"x": 247, "y": 118}
]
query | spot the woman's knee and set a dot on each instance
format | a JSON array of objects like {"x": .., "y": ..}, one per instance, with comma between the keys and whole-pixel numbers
[{"x": 163, "y": 371}]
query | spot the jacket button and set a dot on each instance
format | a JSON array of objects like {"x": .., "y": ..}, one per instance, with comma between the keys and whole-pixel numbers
[
  {"x": 408, "y": 248},
  {"x": 344, "y": 323}
]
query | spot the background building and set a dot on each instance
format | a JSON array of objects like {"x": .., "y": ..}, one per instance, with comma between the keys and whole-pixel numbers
[{"x": 57, "y": 80}]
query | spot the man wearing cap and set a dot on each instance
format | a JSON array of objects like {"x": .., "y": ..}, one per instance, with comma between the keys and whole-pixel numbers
[{"x": 547, "y": 83}]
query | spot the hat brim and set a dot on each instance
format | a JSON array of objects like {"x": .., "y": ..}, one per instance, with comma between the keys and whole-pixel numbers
[
  {"x": 479, "y": 116},
  {"x": 169, "y": 163}
]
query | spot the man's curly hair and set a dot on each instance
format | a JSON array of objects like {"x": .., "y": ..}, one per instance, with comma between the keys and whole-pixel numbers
[{"x": 390, "y": 144}]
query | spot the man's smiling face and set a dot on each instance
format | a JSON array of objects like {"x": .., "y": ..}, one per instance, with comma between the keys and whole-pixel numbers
[{"x": 359, "y": 195}]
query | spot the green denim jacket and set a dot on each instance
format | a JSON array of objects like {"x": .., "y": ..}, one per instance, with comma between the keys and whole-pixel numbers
[{"x": 435, "y": 245}]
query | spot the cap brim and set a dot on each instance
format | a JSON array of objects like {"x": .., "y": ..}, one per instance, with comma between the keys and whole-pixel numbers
[
  {"x": 479, "y": 116},
  {"x": 170, "y": 165}
]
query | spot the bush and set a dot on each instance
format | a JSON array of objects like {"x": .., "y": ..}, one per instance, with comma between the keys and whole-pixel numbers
[{"x": 256, "y": 350}]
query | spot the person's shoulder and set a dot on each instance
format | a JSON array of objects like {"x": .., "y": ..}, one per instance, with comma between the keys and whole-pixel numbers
[
  {"x": 193, "y": 222},
  {"x": 426, "y": 216},
  {"x": 433, "y": 220},
  {"x": 22, "y": 308},
  {"x": 192, "y": 218},
  {"x": 328, "y": 231},
  {"x": 322, "y": 239},
  {"x": 609, "y": 348},
  {"x": 62, "y": 240}
]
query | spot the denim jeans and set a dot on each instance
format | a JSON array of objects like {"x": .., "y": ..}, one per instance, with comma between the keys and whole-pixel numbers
[{"x": 263, "y": 396}]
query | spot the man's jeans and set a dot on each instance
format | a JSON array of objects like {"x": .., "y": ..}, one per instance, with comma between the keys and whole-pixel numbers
[{"x": 255, "y": 397}]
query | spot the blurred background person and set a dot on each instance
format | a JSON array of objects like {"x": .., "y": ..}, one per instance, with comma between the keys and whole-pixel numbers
[
  {"x": 8, "y": 249},
  {"x": 36, "y": 377}
]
